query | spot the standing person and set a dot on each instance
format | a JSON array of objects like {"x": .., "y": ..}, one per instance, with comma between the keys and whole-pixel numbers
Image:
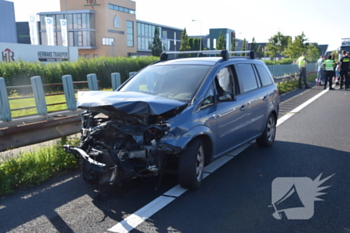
[
  {"x": 319, "y": 70},
  {"x": 301, "y": 62},
  {"x": 344, "y": 64},
  {"x": 329, "y": 65}
]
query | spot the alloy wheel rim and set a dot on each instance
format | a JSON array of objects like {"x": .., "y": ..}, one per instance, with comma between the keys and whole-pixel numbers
[
  {"x": 271, "y": 129},
  {"x": 199, "y": 163}
]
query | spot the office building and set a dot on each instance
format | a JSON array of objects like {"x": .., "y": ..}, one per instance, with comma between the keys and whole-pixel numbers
[
  {"x": 107, "y": 28},
  {"x": 8, "y": 24}
]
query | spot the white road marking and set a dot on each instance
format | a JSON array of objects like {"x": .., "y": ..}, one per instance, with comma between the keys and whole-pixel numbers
[
  {"x": 175, "y": 192},
  {"x": 300, "y": 107},
  {"x": 217, "y": 164},
  {"x": 135, "y": 219}
]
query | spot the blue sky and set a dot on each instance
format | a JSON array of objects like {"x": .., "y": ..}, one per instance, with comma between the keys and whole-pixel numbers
[{"x": 325, "y": 23}]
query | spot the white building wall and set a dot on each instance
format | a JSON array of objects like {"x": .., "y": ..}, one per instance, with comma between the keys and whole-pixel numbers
[{"x": 10, "y": 52}]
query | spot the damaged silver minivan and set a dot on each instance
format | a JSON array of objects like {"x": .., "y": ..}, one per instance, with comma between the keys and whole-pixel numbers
[{"x": 176, "y": 114}]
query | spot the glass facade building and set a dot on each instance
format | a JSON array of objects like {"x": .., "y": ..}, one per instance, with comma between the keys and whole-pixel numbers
[
  {"x": 170, "y": 37},
  {"x": 80, "y": 25}
]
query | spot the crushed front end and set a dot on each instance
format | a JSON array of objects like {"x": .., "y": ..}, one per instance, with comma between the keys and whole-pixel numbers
[{"x": 116, "y": 146}]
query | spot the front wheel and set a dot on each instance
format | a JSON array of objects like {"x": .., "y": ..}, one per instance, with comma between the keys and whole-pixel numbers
[
  {"x": 191, "y": 165},
  {"x": 268, "y": 136}
]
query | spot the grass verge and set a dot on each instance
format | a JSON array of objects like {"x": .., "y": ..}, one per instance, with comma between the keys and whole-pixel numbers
[
  {"x": 33, "y": 167},
  {"x": 293, "y": 84}
]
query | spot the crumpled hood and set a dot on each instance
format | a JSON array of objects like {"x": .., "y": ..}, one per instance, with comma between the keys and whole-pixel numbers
[{"x": 127, "y": 102}]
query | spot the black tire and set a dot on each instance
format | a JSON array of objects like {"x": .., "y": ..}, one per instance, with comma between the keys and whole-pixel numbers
[
  {"x": 268, "y": 136},
  {"x": 191, "y": 165}
]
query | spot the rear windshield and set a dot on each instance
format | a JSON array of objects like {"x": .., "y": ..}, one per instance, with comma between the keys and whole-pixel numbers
[{"x": 179, "y": 82}]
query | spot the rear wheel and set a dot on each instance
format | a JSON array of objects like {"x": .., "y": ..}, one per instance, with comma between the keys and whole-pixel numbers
[
  {"x": 191, "y": 165},
  {"x": 268, "y": 136}
]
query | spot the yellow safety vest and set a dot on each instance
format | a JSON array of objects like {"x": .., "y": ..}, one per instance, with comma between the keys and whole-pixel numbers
[
  {"x": 329, "y": 65},
  {"x": 301, "y": 61},
  {"x": 346, "y": 59}
]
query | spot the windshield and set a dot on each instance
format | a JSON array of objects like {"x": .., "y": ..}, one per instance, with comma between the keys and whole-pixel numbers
[{"x": 179, "y": 82}]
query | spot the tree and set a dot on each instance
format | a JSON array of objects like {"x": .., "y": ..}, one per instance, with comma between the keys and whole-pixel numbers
[
  {"x": 296, "y": 47},
  {"x": 194, "y": 44},
  {"x": 276, "y": 45},
  {"x": 156, "y": 45},
  {"x": 260, "y": 52},
  {"x": 253, "y": 45},
  {"x": 184, "y": 41},
  {"x": 312, "y": 52},
  {"x": 244, "y": 47},
  {"x": 220, "y": 44},
  {"x": 233, "y": 44}
]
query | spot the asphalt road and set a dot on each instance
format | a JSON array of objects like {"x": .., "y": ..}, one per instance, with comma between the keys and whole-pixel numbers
[{"x": 237, "y": 197}]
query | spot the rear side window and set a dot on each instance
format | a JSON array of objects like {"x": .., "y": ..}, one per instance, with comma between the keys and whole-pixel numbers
[
  {"x": 246, "y": 77},
  {"x": 265, "y": 75}
]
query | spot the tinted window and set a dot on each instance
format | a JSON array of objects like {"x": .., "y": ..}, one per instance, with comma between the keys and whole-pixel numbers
[
  {"x": 246, "y": 77},
  {"x": 265, "y": 75}
]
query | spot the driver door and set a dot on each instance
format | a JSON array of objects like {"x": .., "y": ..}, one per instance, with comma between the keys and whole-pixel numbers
[{"x": 231, "y": 114}]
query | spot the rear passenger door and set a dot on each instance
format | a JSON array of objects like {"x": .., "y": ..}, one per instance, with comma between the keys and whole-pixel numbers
[{"x": 255, "y": 96}]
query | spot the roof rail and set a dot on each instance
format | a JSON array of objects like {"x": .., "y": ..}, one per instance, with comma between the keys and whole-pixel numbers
[{"x": 224, "y": 53}]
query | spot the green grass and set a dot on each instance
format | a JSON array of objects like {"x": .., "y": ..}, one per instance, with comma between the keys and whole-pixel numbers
[
  {"x": 33, "y": 167},
  {"x": 29, "y": 102},
  {"x": 21, "y": 103},
  {"x": 293, "y": 84}
]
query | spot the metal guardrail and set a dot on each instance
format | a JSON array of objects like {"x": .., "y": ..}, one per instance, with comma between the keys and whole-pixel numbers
[{"x": 45, "y": 126}]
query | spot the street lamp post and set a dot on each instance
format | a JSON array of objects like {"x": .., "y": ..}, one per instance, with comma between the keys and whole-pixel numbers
[
  {"x": 200, "y": 37},
  {"x": 66, "y": 18}
]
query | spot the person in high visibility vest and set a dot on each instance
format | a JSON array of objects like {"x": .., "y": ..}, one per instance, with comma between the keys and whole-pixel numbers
[
  {"x": 301, "y": 62},
  {"x": 329, "y": 66},
  {"x": 344, "y": 69}
]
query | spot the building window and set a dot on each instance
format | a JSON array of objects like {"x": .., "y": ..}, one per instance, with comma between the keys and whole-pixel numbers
[
  {"x": 95, "y": 55},
  {"x": 130, "y": 33},
  {"x": 81, "y": 29},
  {"x": 87, "y": 56},
  {"x": 116, "y": 22},
  {"x": 145, "y": 35},
  {"x": 108, "y": 41},
  {"x": 121, "y": 9},
  {"x": 138, "y": 29}
]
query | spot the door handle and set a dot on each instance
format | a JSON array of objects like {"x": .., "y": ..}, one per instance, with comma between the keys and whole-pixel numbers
[
  {"x": 265, "y": 98},
  {"x": 243, "y": 107}
]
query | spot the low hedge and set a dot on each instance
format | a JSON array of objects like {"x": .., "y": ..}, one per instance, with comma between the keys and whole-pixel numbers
[{"x": 19, "y": 73}]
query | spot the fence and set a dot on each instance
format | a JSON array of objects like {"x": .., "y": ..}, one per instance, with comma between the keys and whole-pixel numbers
[
  {"x": 39, "y": 95},
  {"x": 280, "y": 72}
]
